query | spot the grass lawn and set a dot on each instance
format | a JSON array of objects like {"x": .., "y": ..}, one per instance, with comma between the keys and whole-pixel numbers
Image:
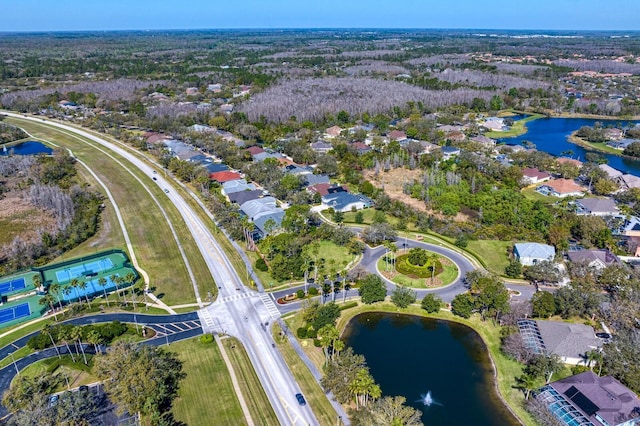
[
  {"x": 13, "y": 333},
  {"x": 259, "y": 406},
  {"x": 533, "y": 195},
  {"x": 447, "y": 276},
  {"x": 157, "y": 251},
  {"x": 313, "y": 393},
  {"x": 77, "y": 372},
  {"x": 506, "y": 369},
  {"x": 206, "y": 395},
  {"x": 519, "y": 128},
  {"x": 334, "y": 256},
  {"x": 493, "y": 253}
]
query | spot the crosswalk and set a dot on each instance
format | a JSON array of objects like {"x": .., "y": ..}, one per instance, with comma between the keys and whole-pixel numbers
[
  {"x": 272, "y": 309},
  {"x": 162, "y": 330},
  {"x": 235, "y": 297},
  {"x": 206, "y": 318}
]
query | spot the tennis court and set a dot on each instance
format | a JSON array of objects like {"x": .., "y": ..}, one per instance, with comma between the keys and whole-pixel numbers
[
  {"x": 13, "y": 285},
  {"x": 92, "y": 288},
  {"x": 14, "y": 312},
  {"x": 83, "y": 270}
]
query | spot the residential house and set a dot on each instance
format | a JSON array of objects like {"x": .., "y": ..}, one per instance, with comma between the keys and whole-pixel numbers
[
  {"x": 590, "y": 206},
  {"x": 455, "y": 137},
  {"x": 191, "y": 91},
  {"x": 236, "y": 186},
  {"x": 628, "y": 181},
  {"x": 226, "y": 108},
  {"x": 326, "y": 189},
  {"x": 531, "y": 253},
  {"x": 571, "y": 342},
  {"x": 449, "y": 152},
  {"x": 612, "y": 173},
  {"x": 311, "y": 179},
  {"x": 589, "y": 400},
  {"x": 448, "y": 128},
  {"x": 333, "y": 132},
  {"x": 215, "y": 167},
  {"x": 346, "y": 202},
  {"x": 484, "y": 141},
  {"x": 242, "y": 197},
  {"x": 573, "y": 162},
  {"x": 594, "y": 258},
  {"x": 613, "y": 134},
  {"x": 495, "y": 124},
  {"x": 561, "y": 188},
  {"x": 360, "y": 147},
  {"x": 265, "y": 215},
  {"x": 621, "y": 144},
  {"x": 215, "y": 88},
  {"x": 225, "y": 176},
  {"x": 533, "y": 176},
  {"x": 397, "y": 135},
  {"x": 321, "y": 147}
]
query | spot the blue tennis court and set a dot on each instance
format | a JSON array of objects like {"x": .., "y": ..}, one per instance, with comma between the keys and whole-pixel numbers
[
  {"x": 13, "y": 285},
  {"x": 67, "y": 274},
  {"x": 15, "y": 312}
]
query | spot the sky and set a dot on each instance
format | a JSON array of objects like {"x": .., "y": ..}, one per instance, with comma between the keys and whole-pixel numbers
[{"x": 78, "y": 15}]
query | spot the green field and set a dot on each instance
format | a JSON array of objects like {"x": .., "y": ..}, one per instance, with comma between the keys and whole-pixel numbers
[
  {"x": 206, "y": 395},
  {"x": 157, "y": 251},
  {"x": 519, "y": 128},
  {"x": 250, "y": 387},
  {"x": 312, "y": 391},
  {"x": 493, "y": 253}
]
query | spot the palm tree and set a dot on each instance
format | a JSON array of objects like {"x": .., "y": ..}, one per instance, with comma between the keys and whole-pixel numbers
[
  {"x": 76, "y": 335},
  {"x": 102, "y": 281},
  {"x": 48, "y": 300},
  {"x": 347, "y": 286},
  {"x": 115, "y": 280},
  {"x": 47, "y": 331},
  {"x": 526, "y": 382},
  {"x": 37, "y": 281},
  {"x": 95, "y": 339},
  {"x": 83, "y": 287},
  {"x": 74, "y": 284},
  {"x": 67, "y": 290},
  {"x": 63, "y": 334},
  {"x": 54, "y": 288}
]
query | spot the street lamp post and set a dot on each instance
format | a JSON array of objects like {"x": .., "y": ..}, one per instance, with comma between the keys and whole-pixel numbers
[{"x": 14, "y": 363}]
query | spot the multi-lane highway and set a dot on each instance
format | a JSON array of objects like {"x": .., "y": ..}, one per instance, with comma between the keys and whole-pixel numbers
[{"x": 239, "y": 311}]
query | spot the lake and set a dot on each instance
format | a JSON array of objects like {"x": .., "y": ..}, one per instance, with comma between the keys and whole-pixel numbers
[
  {"x": 551, "y": 135},
  {"x": 27, "y": 148},
  {"x": 410, "y": 356}
]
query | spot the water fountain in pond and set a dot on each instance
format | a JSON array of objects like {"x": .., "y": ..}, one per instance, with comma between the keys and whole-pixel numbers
[{"x": 428, "y": 400}]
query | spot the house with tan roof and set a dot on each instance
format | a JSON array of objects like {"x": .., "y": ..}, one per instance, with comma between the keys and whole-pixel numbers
[
  {"x": 532, "y": 176},
  {"x": 572, "y": 161},
  {"x": 561, "y": 188},
  {"x": 333, "y": 132},
  {"x": 397, "y": 135}
]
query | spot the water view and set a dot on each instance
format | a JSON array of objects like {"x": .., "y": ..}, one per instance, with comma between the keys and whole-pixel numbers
[
  {"x": 26, "y": 148},
  {"x": 441, "y": 367},
  {"x": 551, "y": 135}
]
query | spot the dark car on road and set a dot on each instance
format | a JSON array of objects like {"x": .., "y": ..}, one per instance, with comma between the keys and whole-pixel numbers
[{"x": 300, "y": 399}]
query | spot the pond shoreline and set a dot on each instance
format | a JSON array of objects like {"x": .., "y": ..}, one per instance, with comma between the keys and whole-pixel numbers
[{"x": 386, "y": 308}]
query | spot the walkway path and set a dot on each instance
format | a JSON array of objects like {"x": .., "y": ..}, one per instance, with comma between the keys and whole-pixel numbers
[{"x": 234, "y": 381}]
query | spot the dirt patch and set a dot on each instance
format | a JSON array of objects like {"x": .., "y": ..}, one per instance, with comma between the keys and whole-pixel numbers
[
  {"x": 19, "y": 218},
  {"x": 393, "y": 181}
]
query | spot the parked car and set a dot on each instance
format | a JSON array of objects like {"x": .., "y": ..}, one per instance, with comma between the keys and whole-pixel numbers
[{"x": 300, "y": 399}]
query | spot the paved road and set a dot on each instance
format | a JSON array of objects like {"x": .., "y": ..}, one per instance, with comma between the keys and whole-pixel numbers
[
  {"x": 238, "y": 311},
  {"x": 9, "y": 372}
]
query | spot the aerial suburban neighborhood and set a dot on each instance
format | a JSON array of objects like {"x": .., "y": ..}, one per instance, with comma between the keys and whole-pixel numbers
[{"x": 355, "y": 225}]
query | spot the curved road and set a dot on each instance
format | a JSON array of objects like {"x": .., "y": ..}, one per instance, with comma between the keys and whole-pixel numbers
[{"x": 238, "y": 310}]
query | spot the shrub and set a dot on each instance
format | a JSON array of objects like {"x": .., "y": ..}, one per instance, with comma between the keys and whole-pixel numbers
[
  {"x": 206, "y": 338},
  {"x": 317, "y": 343},
  {"x": 301, "y": 333},
  {"x": 349, "y": 305},
  {"x": 313, "y": 291},
  {"x": 405, "y": 267},
  {"x": 462, "y": 241},
  {"x": 402, "y": 297},
  {"x": 300, "y": 294},
  {"x": 312, "y": 333},
  {"x": 431, "y": 303},
  {"x": 261, "y": 265}
]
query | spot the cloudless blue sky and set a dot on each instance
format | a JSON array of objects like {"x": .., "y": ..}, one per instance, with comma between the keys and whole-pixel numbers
[{"x": 71, "y": 15}]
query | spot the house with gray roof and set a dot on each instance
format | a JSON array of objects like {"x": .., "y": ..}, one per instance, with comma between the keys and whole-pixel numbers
[
  {"x": 236, "y": 186},
  {"x": 310, "y": 179},
  {"x": 588, "y": 400},
  {"x": 345, "y": 201},
  {"x": 265, "y": 215},
  {"x": 596, "y": 207},
  {"x": 242, "y": 197},
  {"x": 571, "y": 342},
  {"x": 594, "y": 258},
  {"x": 531, "y": 253},
  {"x": 253, "y": 208},
  {"x": 321, "y": 147},
  {"x": 215, "y": 167},
  {"x": 449, "y": 152}
]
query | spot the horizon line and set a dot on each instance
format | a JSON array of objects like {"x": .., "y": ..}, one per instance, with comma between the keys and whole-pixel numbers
[{"x": 3, "y": 32}]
